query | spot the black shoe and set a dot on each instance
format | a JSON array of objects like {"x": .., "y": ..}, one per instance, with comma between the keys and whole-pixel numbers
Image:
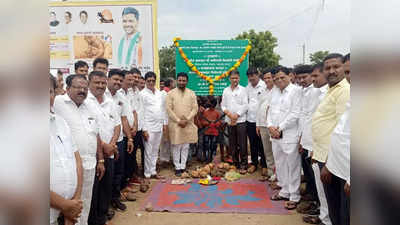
[
  {"x": 117, "y": 204},
  {"x": 178, "y": 173},
  {"x": 110, "y": 214}
]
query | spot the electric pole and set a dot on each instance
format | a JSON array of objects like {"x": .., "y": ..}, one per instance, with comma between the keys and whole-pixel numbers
[{"x": 304, "y": 53}]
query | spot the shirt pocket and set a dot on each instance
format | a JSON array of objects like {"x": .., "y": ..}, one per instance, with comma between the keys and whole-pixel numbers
[{"x": 92, "y": 125}]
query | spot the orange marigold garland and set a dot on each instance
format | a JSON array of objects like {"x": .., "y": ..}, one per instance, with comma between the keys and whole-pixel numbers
[{"x": 205, "y": 77}]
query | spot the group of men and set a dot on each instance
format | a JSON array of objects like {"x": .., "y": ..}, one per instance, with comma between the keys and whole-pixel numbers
[
  {"x": 297, "y": 122},
  {"x": 97, "y": 124}
]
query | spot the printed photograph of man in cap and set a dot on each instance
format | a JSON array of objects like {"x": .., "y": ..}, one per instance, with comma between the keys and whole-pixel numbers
[{"x": 130, "y": 52}]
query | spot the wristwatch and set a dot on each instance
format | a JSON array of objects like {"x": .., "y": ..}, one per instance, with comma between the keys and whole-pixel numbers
[{"x": 101, "y": 161}]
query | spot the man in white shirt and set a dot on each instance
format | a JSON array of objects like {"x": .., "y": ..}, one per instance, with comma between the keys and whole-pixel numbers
[
  {"x": 261, "y": 123},
  {"x": 115, "y": 79},
  {"x": 319, "y": 82},
  {"x": 309, "y": 103},
  {"x": 153, "y": 114},
  {"x": 110, "y": 128},
  {"x": 282, "y": 121},
  {"x": 138, "y": 137},
  {"x": 254, "y": 90},
  {"x": 235, "y": 105},
  {"x": 338, "y": 175},
  {"x": 84, "y": 126},
  {"x": 65, "y": 168}
]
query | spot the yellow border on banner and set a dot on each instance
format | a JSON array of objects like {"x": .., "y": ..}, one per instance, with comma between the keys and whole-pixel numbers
[{"x": 154, "y": 7}]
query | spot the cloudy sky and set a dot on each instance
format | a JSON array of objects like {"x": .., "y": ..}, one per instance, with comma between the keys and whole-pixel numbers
[{"x": 293, "y": 22}]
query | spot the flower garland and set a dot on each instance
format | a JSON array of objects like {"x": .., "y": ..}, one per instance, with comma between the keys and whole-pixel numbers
[{"x": 202, "y": 75}]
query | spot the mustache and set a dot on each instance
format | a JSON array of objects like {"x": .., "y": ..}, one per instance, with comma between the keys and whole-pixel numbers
[{"x": 81, "y": 93}]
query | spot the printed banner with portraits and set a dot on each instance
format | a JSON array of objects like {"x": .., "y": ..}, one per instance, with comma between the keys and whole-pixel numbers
[{"x": 124, "y": 32}]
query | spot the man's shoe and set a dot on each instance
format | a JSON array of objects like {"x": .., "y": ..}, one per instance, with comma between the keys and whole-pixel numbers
[
  {"x": 116, "y": 204},
  {"x": 110, "y": 214},
  {"x": 178, "y": 173}
]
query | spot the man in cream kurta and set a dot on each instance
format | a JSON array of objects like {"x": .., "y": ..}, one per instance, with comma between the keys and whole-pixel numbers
[{"x": 181, "y": 108}]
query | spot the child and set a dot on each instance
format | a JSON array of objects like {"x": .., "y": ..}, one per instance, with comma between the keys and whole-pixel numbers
[{"x": 211, "y": 121}]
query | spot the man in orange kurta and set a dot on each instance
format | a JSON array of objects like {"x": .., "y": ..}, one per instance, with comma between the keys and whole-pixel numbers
[{"x": 181, "y": 108}]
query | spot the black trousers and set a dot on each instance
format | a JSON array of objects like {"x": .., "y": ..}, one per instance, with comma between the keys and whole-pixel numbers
[
  {"x": 101, "y": 195},
  {"x": 238, "y": 144},
  {"x": 311, "y": 187},
  {"x": 338, "y": 202},
  {"x": 119, "y": 170},
  {"x": 256, "y": 147},
  {"x": 131, "y": 159}
]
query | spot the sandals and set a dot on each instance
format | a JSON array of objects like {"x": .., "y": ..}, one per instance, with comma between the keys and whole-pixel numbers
[
  {"x": 311, "y": 219},
  {"x": 277, "y": 197},
  {"x": 264, "y": 172},
  {"x": 157, "y": 177},
  {"x": 127, "y": 196},
  {"x": 263, "y": 179},
  {"x": 243, "y": 171},
  {"x": 275, "y": 186},
  {"x": 290, "y": 205},
  {"x": 305, "y": 207},
  {"x": 252, "y": 169}
]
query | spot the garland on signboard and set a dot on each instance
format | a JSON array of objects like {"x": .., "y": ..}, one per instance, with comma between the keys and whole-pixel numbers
[{"x": 209, "y": 79}]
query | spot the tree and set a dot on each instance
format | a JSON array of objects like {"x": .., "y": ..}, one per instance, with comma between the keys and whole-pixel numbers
[
  {"x": 262, "y": 53},
  {"x": 167, "y": 62},
  {"x": 318, "y": 57}
]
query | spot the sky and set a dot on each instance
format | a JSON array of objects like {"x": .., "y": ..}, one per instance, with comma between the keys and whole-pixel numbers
[{"x": 292, "y": 22}]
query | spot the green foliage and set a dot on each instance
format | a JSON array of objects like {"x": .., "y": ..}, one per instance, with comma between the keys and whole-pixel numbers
[
  {"x": 318, "y": 57},
  {"x": 167, "y": 61},
  {"x": 262, "y": 53}
]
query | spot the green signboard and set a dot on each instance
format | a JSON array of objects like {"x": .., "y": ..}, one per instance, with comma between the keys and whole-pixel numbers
[{"x": 212, "y": 58}]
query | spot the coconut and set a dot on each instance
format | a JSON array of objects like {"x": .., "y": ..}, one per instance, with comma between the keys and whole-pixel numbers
[
  {"x": 207, "y": 169},
  {"x": 233, "y": 167},
  {"x": 185, "y": 175},
  {"x": 227, "y": 166},
  {"x": 211, "y": 165},
  {"x": 195, "y": 174},
  {"x": 203, "y": 174},
  {"x": 220, "y": 166},
  {"x": 214, "y": 172}
]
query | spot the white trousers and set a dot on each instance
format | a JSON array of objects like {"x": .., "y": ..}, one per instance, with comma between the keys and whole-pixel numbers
[
  {"x": 165, "y": 151},
  {"x": 288, "y": 169},
  {"x": 180, "y": 154},
  {"x": 323, "y": 209},
  {"x": 87, "y": 186},
  {"x": 151, "y": 147}
]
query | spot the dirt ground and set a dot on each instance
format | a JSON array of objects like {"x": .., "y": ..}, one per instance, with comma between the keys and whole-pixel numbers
[{"x": 134, "y": 215}]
